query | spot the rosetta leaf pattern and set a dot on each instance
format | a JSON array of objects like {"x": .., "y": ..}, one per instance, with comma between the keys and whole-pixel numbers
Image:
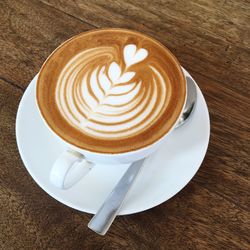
[
  {"x": 114, "y": 84},
  {"x": 112, "y": 100}
]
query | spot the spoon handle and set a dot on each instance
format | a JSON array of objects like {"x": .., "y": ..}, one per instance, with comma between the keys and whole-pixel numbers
[{"x": 104, "y": 217}]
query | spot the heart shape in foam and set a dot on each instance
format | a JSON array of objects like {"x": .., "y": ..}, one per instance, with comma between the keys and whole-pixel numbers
[{"x": 132, "y": 55}]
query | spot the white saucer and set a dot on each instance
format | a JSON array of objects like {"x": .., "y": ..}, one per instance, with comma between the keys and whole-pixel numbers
[{"x": 166, "y": 172}]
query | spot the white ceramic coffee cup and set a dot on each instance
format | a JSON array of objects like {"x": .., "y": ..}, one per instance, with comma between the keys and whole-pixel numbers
[{"x": 74, "y": 163}]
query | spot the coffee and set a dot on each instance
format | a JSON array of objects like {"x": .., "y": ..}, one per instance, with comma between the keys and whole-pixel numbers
[{"x": 111, "y": 90}]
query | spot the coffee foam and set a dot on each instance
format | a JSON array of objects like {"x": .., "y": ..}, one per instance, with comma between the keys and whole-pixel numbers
[
  {"x": 111, "y": 90},
  {"x": 105, "y": 100}
]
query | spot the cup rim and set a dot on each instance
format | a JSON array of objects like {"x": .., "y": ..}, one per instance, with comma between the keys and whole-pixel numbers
[{"x": 145, "y": 147}]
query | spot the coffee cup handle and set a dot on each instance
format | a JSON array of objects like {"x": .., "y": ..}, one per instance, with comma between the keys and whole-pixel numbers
[{"x": 68, "y": 169}]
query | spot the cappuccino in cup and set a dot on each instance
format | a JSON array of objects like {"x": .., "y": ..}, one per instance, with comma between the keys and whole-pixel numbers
[{"x": 111, "y": 91}]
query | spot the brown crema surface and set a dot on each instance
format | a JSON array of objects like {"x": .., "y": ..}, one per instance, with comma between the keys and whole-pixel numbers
[{"x": 112, "y": 43}]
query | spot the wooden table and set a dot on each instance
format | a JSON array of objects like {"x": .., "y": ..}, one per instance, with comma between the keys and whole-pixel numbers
[{"x": 211, "y": 40}]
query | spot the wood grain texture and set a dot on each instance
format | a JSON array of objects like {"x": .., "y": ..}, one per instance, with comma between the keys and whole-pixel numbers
[
  {"x": 211, "y": 39},
  {"x": 30, "y": 31}
]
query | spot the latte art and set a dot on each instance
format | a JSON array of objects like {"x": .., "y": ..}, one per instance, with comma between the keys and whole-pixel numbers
[
  {"x": 105, "y": 97},
  {"x": 111, "y": 91}
]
